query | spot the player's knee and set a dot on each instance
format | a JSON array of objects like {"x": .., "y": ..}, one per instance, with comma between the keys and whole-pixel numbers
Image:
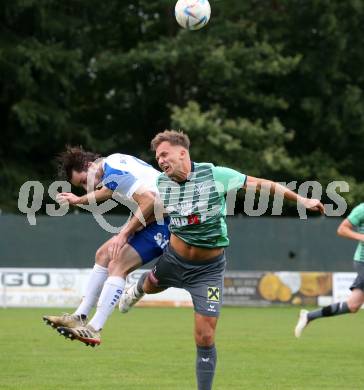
[
  {"x": 204, "y": 340},
  {"x": 111, "y": 267},
  {"x": 150, "y": 285},
  {"x": 102, "y": 257},
  {"x": 204, "y": 337},
  {"x": 354, "y": 306},
  {"x": 119, "y": 268}
]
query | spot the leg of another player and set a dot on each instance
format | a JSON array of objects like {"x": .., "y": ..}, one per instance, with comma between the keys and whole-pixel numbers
[
  {"x": 206, "y": 352},
  {"x": 352, "y": 305},
  {"x": 149, "y": 286},
  {"x": 355, "y": 300},
  {"x": 135, "y": 292},
  {"x": 127, "y": 261}
]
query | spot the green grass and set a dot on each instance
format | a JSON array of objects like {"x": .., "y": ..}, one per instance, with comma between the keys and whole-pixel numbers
[{"x": 153, "y": 349}]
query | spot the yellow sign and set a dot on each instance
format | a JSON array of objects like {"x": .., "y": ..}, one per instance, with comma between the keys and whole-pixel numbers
[{"x": 213, "y": 294}]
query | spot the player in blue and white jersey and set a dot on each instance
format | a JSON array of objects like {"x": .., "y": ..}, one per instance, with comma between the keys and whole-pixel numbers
[{"x": 132, "y": 181}]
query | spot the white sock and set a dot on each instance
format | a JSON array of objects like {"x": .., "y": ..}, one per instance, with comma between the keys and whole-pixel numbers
[
  {"x": 93, "y": 289},
  {"x": 109, "y": 297}
]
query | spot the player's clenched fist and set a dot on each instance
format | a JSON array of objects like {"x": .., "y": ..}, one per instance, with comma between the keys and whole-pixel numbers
[{"x": 67, "y": 197}]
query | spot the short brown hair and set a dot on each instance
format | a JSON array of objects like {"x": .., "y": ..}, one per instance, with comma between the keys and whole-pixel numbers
[
  {"x": 74, "y": 158},
  {"x": 173, "y": 137}
]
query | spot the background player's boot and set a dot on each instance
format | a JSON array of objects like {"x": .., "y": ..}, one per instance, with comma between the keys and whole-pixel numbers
[
  {"x": 129, "y": 298},
  {"x": 86, "y": 334},
  {"x": 302, "y": 323},
  {"x": 67, "y": 320}
]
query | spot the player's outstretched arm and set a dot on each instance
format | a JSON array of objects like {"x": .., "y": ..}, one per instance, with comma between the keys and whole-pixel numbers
[
  {"x": 276, "y": 188},
  {"x": 95, "y": 196}
]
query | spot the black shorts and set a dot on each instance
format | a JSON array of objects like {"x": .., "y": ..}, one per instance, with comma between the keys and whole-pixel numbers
[
  {"x": 359, "y": 280},
  {"x": 204, "y": 280}
]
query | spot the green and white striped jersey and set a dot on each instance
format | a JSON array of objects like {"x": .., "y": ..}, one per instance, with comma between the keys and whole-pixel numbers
[
  {"x": 197, "y": 206},
  {"x": 356, "y": 218}
]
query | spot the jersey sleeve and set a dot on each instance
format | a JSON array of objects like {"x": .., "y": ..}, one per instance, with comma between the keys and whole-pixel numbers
[
  {"x": 356, "y": 217},
  {"x": 228, "y": 178},
  {"x": 121, "y": 181}
]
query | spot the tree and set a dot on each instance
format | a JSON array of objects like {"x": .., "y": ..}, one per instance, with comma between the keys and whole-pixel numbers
[{"x": 270, "y": 87}]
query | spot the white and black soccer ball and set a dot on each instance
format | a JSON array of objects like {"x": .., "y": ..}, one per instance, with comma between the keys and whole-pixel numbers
[{"x": 192, "y": 14}]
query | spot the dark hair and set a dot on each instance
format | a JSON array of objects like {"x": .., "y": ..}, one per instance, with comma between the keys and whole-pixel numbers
[
  {"x": 173, "y": 137},
  {"x": 74, "y": 158}
]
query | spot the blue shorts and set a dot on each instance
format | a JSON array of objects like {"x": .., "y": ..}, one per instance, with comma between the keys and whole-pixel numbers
[{"x": 151, "y": 241}]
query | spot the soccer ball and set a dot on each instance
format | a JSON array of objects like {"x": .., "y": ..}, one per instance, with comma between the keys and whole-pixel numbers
[{"x": 192, "y": 14}]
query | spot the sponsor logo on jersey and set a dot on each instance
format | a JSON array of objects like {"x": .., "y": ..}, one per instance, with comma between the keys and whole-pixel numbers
[
  {"x": 185, "y": 208},
  {"x": 203, "y": 188},
  {"x": 192, "y": 219}
]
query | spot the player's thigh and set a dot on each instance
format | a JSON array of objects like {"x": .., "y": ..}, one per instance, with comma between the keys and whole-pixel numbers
[
  {"x": 205, "y": 283},
  {"x": 207, "y": 297},
  {"x": 356, "y": 299},
  {"x": 205, "y": 328},
  {"x": 128, "y": 260},
  {"x": 166, "y": 272},
  {"x": 150, "y": 288},
  {"x": 102, "y": 254},
  {"x": 150, "y": 242}
]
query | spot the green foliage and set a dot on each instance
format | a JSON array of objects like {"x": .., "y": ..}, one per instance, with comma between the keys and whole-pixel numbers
[
  {"x": 248, "y": 146},
  {"x": 273, "y": 88}
]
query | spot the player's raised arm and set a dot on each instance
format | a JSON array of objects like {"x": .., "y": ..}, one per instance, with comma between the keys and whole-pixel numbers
[{"x": 276, "y": 188}]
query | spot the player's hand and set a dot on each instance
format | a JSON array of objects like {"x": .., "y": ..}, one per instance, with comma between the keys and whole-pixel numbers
[
  {"x": 67, "y": 197},
  {"x": 313, "y": 205},
  {"x": 116, "y": 244}
]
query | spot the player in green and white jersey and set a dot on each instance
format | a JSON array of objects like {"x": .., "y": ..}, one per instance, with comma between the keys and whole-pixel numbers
[
  {"x": 194, "y": 195},
  {"x": 352, "y": 227}
]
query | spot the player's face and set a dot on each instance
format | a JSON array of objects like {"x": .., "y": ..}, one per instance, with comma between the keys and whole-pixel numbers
[
  {"x": 79, "y": 179},
  {"x": 170, "y": 158},
  {"x": 88, "y": 180}
]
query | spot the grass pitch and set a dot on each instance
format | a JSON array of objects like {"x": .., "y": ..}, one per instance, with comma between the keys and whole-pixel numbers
[{"x": 153, "y": 349}]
